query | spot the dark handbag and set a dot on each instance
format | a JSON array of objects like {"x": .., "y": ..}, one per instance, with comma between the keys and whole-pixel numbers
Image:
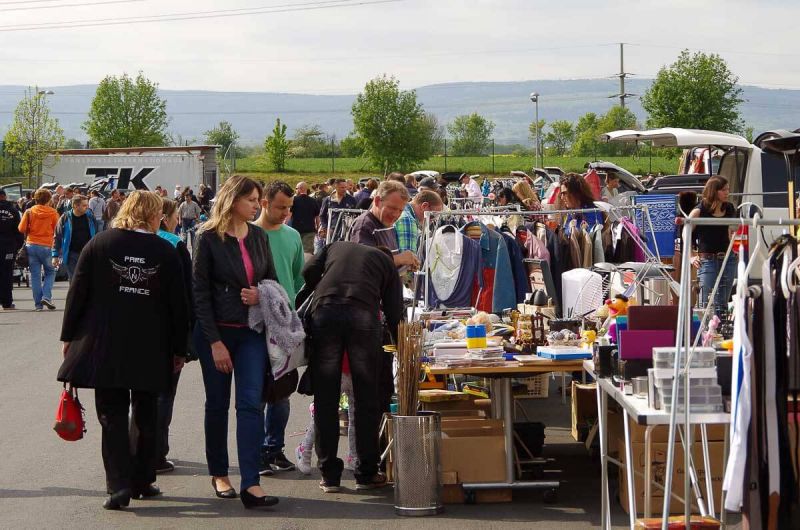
[
  {"x": 70, "y": 424},
  {"x": 275, "y": 391},
  {"x": 306, "y": 384},
  {"x": 21, "y": 259}
]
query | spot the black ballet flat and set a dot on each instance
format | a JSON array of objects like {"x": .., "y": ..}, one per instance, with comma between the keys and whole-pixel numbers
[
  {"x": 151, "y": 490},
  {"x": 229, "y": 493},
  {"x": 118, "y": 500},
  {"x": 251, "y": 501}
]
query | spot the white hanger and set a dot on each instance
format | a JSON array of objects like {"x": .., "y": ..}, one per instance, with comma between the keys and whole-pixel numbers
[{"x": 756, "y": 250}]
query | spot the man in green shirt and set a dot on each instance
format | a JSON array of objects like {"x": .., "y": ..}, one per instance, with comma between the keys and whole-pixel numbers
[{"x": 286, "y": 247}]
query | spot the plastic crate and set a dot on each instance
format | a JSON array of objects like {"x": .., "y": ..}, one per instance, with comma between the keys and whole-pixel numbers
[{"x": 538, "y": 386}]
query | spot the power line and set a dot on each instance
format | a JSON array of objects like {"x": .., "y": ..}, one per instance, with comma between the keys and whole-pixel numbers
[
  {"x": 83, "y": 4},
  {"x": 735, "y": 52},
  {"x": 194, "y": 15}
]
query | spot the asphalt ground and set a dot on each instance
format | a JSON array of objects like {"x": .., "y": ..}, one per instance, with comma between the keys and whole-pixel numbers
[{"x": 48, "y": 483}]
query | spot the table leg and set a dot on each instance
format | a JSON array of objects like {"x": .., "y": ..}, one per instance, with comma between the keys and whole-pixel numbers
[
  {"x": 563, "y": 388},
  {"x": 707, "y": 463},
  {"x": 723, "y": 514},
  {"x": 629, "y": 471},
  {"x": 648, "y": 471},
  {"x": 602, "y": 422},
  {"x": 504, "y": 387}
]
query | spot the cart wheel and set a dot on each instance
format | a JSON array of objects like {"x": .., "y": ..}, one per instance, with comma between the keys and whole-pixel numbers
[
  {"x": 550, "y": 496},
  {"x": 469, "y": 496}
]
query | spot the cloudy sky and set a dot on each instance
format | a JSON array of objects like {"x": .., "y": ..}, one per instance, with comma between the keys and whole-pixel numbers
[{"x": 334, "y": 47}]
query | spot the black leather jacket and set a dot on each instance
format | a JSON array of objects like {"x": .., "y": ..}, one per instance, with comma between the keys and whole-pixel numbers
[{"x": 219, "y": 277}]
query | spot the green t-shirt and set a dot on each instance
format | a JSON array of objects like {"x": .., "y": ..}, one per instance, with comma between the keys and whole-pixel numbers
[{"x": 287, "y": 254}]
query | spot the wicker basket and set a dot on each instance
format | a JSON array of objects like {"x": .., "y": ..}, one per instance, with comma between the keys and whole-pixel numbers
[{"x": 538, "y": 386}]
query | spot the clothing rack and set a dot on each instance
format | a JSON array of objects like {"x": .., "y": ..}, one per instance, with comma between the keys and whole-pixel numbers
[
  {"x": 346, "y": 211},
  {"x": 684, "y": 351},
  {"x": 615, "y": 213}
]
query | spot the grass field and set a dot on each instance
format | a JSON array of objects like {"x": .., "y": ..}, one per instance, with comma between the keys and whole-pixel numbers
[{"x": 319, "y": 169}]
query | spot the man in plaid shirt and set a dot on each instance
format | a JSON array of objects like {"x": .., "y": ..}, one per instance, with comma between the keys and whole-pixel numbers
[{"x": 408, "y": 225}]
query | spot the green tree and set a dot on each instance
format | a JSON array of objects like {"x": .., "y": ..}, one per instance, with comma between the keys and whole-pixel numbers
[
  {"x": 33, "y": 133},
  {"x": 586, "y": 141},
  {"x": 277, "y": 146},
  {"x": 391, "y": 125},
  {"x": 560, "y": 136},
  {"x": 351, "y": 146},
  {"x": 127, "y": 112},
  {"x": 471, "y": 133},
  {"x": 695, "y": 92},
  {"x": 310, "y": 142},
  {"x": 435, "y": 132},
  {"x": 615, "y": 119},
  {"x": 73, "y": 143},
  {"x": 224, "y": 135}
]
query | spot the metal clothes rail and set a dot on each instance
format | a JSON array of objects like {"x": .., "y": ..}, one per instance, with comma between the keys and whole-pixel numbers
[{"x": 683, "y": 348}]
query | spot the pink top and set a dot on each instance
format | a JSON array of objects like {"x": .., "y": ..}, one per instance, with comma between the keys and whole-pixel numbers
[{"x": 248, "y": 263}]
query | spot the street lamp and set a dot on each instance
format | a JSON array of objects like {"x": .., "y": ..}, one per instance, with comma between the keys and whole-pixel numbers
[{"x": 535, "y": 100}]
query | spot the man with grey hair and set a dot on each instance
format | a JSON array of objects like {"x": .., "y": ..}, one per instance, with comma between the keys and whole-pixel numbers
[
  {"x": 375, "y": 227},
  {"x": 74, "y": 230}
]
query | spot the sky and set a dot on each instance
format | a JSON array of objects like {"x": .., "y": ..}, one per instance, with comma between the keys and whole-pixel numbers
[{"x": 336, "y": 46}]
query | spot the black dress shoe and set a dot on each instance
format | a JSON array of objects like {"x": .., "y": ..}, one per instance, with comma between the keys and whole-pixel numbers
[
  {"x": 229, "y": 493},
  {"x": 118, "y": 500},
  {"x": 151, "y": 490},
  {"x": 251, "y": 501}
]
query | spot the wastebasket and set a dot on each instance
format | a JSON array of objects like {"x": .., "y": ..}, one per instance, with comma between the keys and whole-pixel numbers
[{"x": 415, "y": 450}]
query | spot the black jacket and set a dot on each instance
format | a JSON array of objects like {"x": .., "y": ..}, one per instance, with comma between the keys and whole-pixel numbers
[
  {"x": 126, "y": 314},
  {"x": 349, "y": 273},
  {"x": 10, "y": 236},
  {"x": 219, "y": 277}
]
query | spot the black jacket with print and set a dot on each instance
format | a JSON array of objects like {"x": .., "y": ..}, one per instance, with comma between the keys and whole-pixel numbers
[{"x": 126, "y": 314}]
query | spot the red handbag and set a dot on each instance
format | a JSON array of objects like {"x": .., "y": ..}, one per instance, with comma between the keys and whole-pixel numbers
[{"x": 69, "y": 424}]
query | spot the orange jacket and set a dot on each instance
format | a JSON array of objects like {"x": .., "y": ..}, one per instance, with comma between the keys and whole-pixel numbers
[{"x": 39, "y": 224}]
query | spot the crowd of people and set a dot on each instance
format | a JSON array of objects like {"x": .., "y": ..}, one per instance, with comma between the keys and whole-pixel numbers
[{"x": 127, "y": 262}]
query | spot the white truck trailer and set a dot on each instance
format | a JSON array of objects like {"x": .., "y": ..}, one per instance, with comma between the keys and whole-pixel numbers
[{"x": 129, "y": 168}]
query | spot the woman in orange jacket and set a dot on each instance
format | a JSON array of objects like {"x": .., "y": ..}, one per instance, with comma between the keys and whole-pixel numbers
[{"x": 39, "y": 226}]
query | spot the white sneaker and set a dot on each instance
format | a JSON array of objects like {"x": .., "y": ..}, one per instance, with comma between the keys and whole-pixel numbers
[{"x": 303, "y": 459}]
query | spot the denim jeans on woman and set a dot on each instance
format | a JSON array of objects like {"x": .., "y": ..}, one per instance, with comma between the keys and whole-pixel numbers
[
  {"x": 39, "y": 258},
  {"x": 707, "y": 275},
  {"x": 248, "y": 351}
]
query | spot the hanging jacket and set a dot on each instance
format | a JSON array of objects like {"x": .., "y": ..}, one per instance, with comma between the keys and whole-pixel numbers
[
  {"x": 520, "y": 275},
  {"x": 498, "y": 291}
]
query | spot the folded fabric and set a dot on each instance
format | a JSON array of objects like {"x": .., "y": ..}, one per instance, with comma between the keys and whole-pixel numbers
[{"x": 283, "y": 328}]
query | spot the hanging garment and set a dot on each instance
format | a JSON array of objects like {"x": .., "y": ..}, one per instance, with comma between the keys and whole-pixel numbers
[
  {"x": 518, "y": 271},
  {"x": 588, "y": 249},
  {"x": 732, "y": 483},
  {"x": 598, "y": 252},
  {"x": 771, "y": 322},
  {"x": 499, "y": 292},
  {"x": 455, "y": 265}
]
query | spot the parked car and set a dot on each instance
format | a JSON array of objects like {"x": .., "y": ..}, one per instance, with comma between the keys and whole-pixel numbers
[
  {"x": 677, "y": 183},
  {"x": 556, "y": 172},
  {"x": 628, "y": 182},
  {"x": 13, "y": 191}
]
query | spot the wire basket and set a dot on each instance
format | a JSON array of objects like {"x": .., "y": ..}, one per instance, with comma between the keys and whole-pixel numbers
[{"x": 538, "y": 386}]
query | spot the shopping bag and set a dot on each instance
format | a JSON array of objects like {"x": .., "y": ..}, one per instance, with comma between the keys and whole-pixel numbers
[{"x": 70, "y": 424}]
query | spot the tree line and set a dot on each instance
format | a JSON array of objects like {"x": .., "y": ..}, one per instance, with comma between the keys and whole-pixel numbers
[{"x": 391, "y": 129}]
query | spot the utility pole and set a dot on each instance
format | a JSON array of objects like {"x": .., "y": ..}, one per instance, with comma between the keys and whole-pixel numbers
[{"x": 622, "y": 95}]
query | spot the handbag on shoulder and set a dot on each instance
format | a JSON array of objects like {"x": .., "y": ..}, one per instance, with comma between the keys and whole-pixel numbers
[{"x": 70, "y": 424}]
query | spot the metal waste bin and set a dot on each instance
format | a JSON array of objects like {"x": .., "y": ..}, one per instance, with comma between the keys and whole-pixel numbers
[{"x": 415, "y": 451}]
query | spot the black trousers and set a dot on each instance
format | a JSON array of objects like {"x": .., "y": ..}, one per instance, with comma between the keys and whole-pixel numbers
[
  {"x": 166, "y": 403},
  {"x": 122, "y": 469},
  {"x": 7, "y": 256},
  {"x": 336, "y": 329}
]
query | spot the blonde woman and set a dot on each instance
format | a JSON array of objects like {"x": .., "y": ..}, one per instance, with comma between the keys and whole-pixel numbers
[
  {"x": 124, "y": 334},
  {"x": 526, "y": 196},
  {"x": 231, "y": 257}
]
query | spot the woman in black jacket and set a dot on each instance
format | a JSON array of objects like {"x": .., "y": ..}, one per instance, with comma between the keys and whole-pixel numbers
[
  {"x": 231, "y": 257},
  {"x": 128, "y": 280}
]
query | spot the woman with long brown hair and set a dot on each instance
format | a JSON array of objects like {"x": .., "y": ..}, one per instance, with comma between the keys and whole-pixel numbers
[
  {"x": 712, "y": 243},
  {"x": 231, "y": 258}
]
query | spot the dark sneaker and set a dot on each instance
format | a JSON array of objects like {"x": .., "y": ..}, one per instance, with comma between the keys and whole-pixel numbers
[
  {"x": 48, "y": 304},
  {"x": 279, "y": 462},
  {"x": 165, "y": 466},
  {"x": 329, "y": 486},
  {"x": 378, "y": 480},
  {"x": 9, "y": 308},
  {"x": 264, "y": 469}
]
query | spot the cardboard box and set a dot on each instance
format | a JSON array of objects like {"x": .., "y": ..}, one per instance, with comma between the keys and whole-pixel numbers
[
  {"x": 659, "y": 464},
  {"x": 584, "y": 409},
  {"x": 455, "y": 494},
  {"x": 475, "y": 452},
  {"x": 466, "y": 403},
  {"x": 678, "y": 522}
]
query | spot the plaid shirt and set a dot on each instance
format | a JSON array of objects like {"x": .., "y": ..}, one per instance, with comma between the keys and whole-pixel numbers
[{"x": 407, "y": 229}]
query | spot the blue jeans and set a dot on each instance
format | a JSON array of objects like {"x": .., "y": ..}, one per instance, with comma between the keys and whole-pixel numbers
[
  {"x": 248, "y": 351},
  {"x": 71, "y": 263},
  {"x": 275, "y": 420},
  {"x": 99, "y": 224},
  {"x": 707, "y": 275},
  {"x": 187, "y": 231},
  {"x": 39, "y": 258}
]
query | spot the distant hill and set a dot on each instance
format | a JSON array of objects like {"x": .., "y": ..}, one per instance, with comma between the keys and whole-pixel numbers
[{"x": 506, "y": 103}]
